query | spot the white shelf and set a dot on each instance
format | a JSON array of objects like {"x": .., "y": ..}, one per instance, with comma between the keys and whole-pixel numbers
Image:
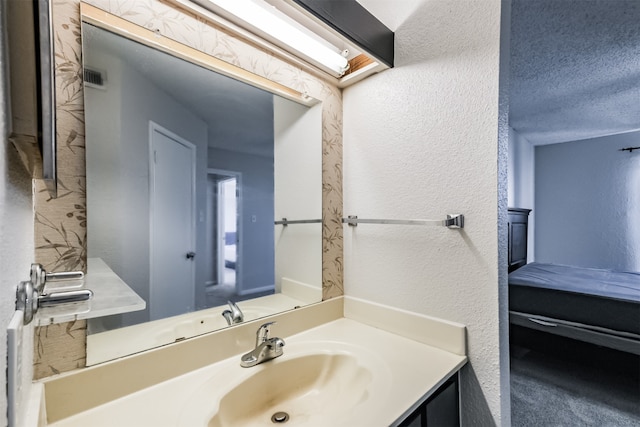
[{"x": 110, "y": 296}]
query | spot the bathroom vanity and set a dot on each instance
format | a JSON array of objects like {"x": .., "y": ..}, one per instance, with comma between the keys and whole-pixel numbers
[{"x": 346, "y": 362}]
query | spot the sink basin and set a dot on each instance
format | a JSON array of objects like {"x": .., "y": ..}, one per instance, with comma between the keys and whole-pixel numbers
[{"x": 299, "y": 388}]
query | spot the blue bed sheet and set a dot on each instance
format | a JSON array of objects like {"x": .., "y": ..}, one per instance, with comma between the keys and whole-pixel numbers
[{"x": 618, "y": 285}]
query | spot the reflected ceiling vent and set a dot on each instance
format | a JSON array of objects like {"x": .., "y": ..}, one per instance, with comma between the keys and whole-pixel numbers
[{"x": 94, "y": 78}]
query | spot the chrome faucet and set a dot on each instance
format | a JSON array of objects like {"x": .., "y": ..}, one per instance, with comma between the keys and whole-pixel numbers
[
  {"x": 266, "y": 348},
  {"x": 234, "y": 314}
]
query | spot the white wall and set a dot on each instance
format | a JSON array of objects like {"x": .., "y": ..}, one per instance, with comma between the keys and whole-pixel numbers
[
  {"x": 298, "y": 191},
  {"x": 16, "y": 252},
  {"x": 16, "y": 234},
  {"x": 256, "y": 189},
  {"x": 118, "y": 172},
  {"x": 211, "y": 247},
  {"x": 421, "y": 141},
  {"x": 521, "y": 175},
  {"x": 587, "y": 203}
]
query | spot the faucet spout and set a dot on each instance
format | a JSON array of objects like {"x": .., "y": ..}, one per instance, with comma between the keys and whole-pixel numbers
[
  {"x": 234, "y": 314},
  {"x": 266, "y": 348}
]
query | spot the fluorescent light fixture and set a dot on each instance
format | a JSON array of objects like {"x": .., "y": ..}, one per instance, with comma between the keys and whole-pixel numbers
[{"x": 268, "y": 20}]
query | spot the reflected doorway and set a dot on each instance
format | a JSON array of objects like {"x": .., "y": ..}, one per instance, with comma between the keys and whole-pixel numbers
[
  {"x": 227, "y": 198},
  {"x": 223, "y": 231}
]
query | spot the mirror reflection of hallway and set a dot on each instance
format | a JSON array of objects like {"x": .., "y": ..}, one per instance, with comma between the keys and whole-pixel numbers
[
  {"x": 224, "y": 238},
  {"x": 223, "y": 192},
  {"x": 228, "y": 230}
]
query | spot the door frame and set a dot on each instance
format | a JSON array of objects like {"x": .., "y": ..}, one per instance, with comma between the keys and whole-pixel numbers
[
  {"x": 238, "y": 176},
  {"x": 155, "y": 127}
]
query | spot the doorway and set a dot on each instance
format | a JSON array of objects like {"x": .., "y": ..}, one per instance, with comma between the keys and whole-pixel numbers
[
  {"x": 227, "y": 230},
  {"x": 223, "y": 233}
]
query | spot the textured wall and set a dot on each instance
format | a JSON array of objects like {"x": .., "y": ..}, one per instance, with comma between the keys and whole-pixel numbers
[
  {"x": 60, "y": 224},
  {"x": 16, "y": 231},
  {"x": 421, "y": 141},
  {"x": 587, "y": 203},
  {"x": 16, "y": 250}
]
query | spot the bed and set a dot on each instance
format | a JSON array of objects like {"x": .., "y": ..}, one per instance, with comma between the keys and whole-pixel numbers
[{"x": 588, "y": 304}]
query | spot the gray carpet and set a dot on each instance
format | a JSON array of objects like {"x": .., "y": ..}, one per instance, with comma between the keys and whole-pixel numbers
[{"x": 574, "y": 385}]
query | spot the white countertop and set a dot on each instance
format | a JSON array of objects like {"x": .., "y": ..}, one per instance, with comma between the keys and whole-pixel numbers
[
  {"x": 412, "y": 371},
  {"x": 408, "y": 356}
]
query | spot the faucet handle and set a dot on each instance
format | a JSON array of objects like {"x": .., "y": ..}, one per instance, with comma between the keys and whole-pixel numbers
[
  {"x": 263, "y": 333},
  {"x": 40, "y": 277}
]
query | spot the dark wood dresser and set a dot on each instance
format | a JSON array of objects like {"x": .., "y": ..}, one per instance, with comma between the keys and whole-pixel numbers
[{"x": 518, "y": 229}]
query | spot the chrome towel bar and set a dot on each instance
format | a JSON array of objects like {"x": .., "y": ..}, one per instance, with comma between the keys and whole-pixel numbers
[
  {"x": 452, "y": 221},
  {"x": 286, "y": 221}
]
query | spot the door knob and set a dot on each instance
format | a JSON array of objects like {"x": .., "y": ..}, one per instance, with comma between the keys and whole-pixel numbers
[{"x": 191, "y": 255}]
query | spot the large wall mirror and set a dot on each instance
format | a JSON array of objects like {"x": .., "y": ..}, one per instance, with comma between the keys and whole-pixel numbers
[{"x": 188, "y": 172}]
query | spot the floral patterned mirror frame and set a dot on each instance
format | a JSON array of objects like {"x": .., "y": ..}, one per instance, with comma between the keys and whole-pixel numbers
[{"x": 61, "y": 223}]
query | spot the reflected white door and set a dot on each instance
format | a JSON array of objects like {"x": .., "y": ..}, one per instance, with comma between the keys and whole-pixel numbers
[{"x": 172, "y": 217}]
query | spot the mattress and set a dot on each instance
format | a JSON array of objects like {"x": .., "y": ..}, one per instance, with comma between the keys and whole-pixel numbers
[{"x": 596, "y": 297}]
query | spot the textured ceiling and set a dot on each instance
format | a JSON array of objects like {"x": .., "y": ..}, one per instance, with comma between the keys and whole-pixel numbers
[{"x": 575, "y": 68}]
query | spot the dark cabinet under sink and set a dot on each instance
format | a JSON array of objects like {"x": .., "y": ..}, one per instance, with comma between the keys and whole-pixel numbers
[{"x": 441, "y": 409}]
